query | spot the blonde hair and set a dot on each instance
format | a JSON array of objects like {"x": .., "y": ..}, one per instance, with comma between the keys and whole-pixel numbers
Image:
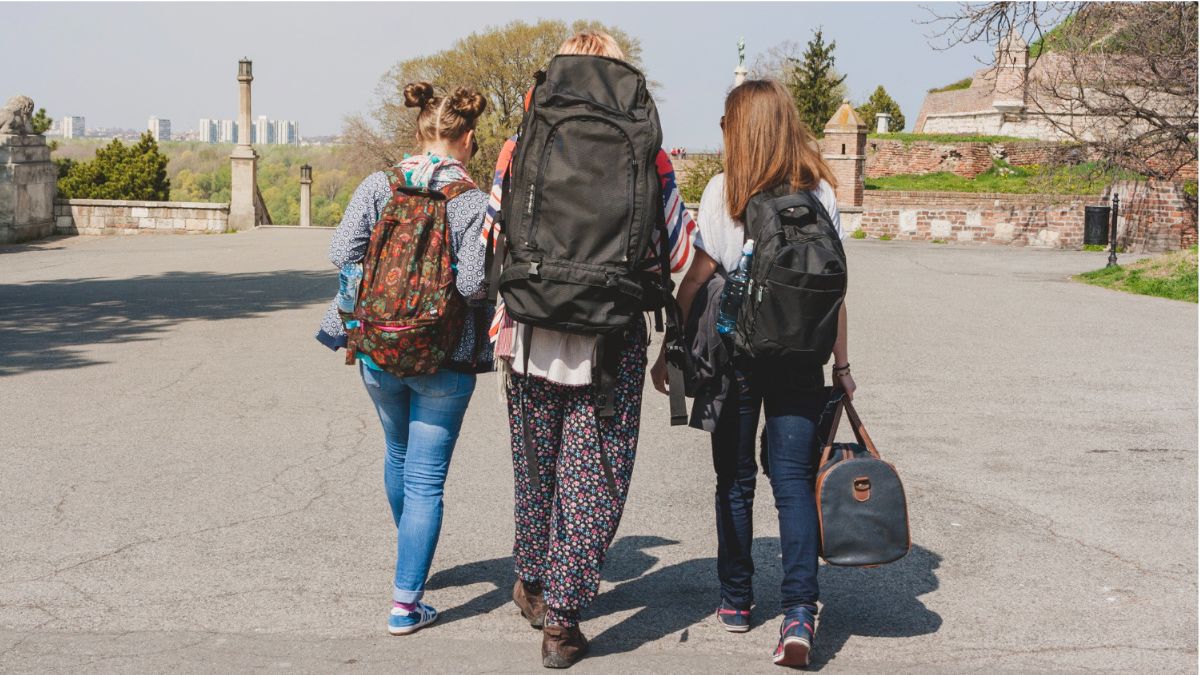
[
  {"x": 592, "y": 43},
  {"x": 443, "y": 117},
  {"x": 766, "y": 145}
]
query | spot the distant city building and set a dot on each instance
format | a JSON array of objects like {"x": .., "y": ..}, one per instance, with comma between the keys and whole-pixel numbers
[
  {"x": 207, "y": 131},
  {"x": 73, "y": 127},
  {"x": 227, "y": 131},
  {"x": 286, "y": 132},
  {"x": 160, "y": 129},
  {"x": 264, "y": 132}
]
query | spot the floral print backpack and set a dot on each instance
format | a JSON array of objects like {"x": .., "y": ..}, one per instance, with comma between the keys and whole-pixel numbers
[{"x": 409, "y": 314}]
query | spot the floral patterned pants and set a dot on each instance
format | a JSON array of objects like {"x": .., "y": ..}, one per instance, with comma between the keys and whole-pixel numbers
[{"x": 563, "y": 529}]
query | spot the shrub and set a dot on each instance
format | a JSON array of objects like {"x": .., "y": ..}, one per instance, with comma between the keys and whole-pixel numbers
[
  {"x": 133, "y": 172},
  {"x": 696, "y": 177},
  {"x": 858, "y": 234}
]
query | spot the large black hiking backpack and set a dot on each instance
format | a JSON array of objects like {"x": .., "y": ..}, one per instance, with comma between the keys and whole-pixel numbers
[
  {"x": 797, "y": 280},
  {"x": 582, "y": 200}
]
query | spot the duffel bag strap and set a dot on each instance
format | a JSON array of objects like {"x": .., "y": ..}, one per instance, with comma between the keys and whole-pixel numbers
[
  {"x": 860, "y": 431},
  {"x": 827, "y": 451}
]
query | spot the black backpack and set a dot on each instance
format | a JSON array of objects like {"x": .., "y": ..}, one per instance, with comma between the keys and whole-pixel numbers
[
  {"x": 582, "y": 200},
  {"x": 797, "y": 280}
]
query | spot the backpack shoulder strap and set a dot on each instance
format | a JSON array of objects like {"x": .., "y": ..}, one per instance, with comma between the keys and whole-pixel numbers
[{"x": 452, "y": 190}]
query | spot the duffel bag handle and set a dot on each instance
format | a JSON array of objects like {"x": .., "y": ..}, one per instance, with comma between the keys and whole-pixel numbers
[{"x": 860, "y": 431}]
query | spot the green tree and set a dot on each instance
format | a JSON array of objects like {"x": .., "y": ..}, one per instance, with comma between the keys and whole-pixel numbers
[
  {"x": 814, "y": 84},
  {"x": 499, "y": 61},
  {"x": 697, "y": 175},
  {"x": 41, "y": 122},
  {"x": 881, "y": 102},
  {"x": 136, "y": 172}
]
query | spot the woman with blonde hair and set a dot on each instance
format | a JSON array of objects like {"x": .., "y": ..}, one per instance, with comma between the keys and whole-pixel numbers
[
  {"x": 767, "y": 149},
  {"x": 581, "y": 460}
]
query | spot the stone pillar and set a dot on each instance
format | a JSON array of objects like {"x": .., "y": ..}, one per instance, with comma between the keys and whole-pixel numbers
[
  {"x": 882, "y": 120},
  {"x": 844, "y": 148},
  {"x": 244, "y": 161},
  {"x": 305, "y": 196},
  {"x": 28, "y": 180}
]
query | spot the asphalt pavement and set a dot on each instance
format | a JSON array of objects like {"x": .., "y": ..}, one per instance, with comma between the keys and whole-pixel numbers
[{"x": 191, "y": 483}]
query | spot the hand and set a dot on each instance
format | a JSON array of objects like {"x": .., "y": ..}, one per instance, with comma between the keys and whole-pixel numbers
[
  {"x": 845, "y": 383},
  {"x": 658, "y": 373}
]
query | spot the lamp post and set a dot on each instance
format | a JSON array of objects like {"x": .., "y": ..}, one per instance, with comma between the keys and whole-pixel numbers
[{"x": 1112, "y": 236}]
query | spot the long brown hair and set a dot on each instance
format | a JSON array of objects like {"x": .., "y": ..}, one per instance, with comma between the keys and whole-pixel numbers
[
  {"x": 443, "y": 117},
  {"x": 766, "y": 145}
]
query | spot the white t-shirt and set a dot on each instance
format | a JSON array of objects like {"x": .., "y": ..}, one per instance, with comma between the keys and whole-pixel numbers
[{"x": 722, "y": 237}]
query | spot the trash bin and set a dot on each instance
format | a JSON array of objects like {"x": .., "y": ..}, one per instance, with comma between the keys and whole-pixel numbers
[{"x": 1095, "y": 225}]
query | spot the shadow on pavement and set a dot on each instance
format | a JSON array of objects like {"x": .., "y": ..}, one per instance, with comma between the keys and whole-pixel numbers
[
  {"x": 44, "y": 323},
  {"x": 879, "y": 602}
]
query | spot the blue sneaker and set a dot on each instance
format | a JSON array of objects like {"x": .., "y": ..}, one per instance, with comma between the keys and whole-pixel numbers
[
  {"x": 732, "y": 619},
  {"x": 401, "y": 622},
  {"x": 796, "y": 637}
]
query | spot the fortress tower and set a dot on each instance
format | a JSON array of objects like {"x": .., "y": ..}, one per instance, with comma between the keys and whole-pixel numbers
[{"x": 1012, "y": 67}]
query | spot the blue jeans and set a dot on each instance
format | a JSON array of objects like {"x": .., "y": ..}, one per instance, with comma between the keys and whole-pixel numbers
[
  {"x": 421, "y": 419},
  {"x": 793, "y": 409}
]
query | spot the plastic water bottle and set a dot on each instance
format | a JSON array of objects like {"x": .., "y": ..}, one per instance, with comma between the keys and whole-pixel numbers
[
  {"x": 735, "y": 291},
  {"x": 348, "y": 281}
]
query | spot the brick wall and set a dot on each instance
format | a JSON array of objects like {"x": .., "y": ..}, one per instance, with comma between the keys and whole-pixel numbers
[
  {"x": 968, "y": 159},
  {"x": 1154, "y": 215},
  {"x": 111, "y": 216},
  {"x": 1158, "y": 217}
]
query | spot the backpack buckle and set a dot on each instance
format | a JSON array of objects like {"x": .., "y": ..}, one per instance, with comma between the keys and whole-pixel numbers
[{"x": 533, "y": 270}]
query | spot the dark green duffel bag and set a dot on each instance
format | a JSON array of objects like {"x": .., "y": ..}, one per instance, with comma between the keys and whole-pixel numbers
[{"x": 860, "y": 500}]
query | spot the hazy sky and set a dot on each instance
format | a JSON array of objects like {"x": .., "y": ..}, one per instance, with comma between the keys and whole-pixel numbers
[{"x": 119, "y": 63}]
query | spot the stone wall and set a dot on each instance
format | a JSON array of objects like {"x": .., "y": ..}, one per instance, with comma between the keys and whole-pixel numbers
[
  {"x": 1157, "y": 219},
  {"x": 111, "y": 216},
  {"x": 887, "y": 157}
]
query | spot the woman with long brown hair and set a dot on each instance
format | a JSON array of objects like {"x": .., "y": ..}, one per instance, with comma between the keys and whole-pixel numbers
[{"x": 767, "y": 148}]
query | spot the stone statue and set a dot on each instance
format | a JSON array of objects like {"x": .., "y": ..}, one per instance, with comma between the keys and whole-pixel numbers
[
  {"x": 15, "y": 116},
  {"x": 741, "y": 52}
]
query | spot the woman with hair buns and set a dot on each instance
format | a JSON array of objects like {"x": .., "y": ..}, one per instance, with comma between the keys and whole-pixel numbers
[{"x": 422, "y": 415}]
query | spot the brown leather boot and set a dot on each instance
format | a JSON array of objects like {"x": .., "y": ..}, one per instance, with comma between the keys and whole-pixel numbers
[
  {"x": 532, "y": 605},
  {"x": 562, "y": 647}
]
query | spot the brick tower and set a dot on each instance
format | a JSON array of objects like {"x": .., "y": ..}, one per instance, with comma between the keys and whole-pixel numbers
[{"x": 844, "y": 148}]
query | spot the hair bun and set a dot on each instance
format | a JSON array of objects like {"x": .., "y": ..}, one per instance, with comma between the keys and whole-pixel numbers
[
  {"x": 417, "y": 94},
  {"x": 468, "y": 103}
]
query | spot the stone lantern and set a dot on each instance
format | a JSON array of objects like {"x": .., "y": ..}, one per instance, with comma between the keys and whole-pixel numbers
[{"x": 305, "y": 196}]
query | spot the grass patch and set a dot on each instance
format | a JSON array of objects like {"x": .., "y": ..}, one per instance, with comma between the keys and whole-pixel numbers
[
  {"x": 1189, "y": 188},
  {"x": 964, "y": 83},
  {"x": 1081, "y": 179},
  {"x": 939, "y": 241},
  {"x": 909, "y": 138},
  {"x": 858, "y": 234},
  {"x": 1095, "y": 248},
  {"x": 885, "y": 237},
  {"x": 1171, "y": 275}
]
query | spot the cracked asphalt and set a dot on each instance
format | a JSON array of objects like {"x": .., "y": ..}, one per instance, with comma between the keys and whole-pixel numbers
[{"x": 190, "y": 483}]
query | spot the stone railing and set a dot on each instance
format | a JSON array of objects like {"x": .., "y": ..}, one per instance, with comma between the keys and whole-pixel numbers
[{"x": 114, "y": 216}]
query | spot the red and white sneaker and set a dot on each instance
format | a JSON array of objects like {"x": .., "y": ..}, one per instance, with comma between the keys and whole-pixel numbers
[{"x": 796, "y": 637}]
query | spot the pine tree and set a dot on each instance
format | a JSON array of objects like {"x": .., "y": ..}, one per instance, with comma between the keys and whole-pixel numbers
[
  {"x": 881, "y": 102},
  {"x": 41, "y": 122},
  {"x": 814, "y": 84},
  {"x": 134, "y": 172}
]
